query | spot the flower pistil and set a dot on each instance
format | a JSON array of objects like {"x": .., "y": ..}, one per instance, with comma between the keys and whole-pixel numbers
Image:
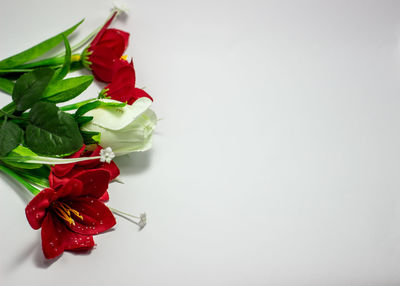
[{"x": 64, "y": 211}]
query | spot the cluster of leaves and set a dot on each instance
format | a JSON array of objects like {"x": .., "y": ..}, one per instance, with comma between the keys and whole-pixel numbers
[{"x": 32, "y": 124}]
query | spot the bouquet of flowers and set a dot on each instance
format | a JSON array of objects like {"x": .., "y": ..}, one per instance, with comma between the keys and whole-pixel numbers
[{"x": 63, "y": 153}]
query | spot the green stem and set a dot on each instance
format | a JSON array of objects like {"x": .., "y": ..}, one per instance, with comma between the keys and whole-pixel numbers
[
  {"x": 83, "y": 42},
  {"x": 8, "y": 109},
  {"x": 46, "y": 62},
  {"x": 54, "y": 61},
  {"x": 23, "y": 70},
  {"x": 6, "y": 85},
  {"x": 123, "y": 213},
  {"x": 57, "y": 60},
  {"x": 12, "y": 116},
  {"x": 39, "y": 181},
  {"x": 87, "y": 39},
  {"x": 76, "y": 105},
  {"x": 15, "y": 70},
  {"x": 14, "y": 175}
]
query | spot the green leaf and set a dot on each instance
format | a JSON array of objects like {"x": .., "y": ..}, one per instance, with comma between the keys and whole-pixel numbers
[
  {"x": 36, "y": 51},
  {"x": 40, "y": 181},
  {"x": 39, "y": 176},
  {"x": 76, "y": 66},
  {"x": 8, "y": 109},
  {"x": 11, "y": 136},
  {"x": 60, "y": 91},
  {"x": 95, "y": 104},
  {"x": 83, "y": 120},
  {"x": 21, "y": 151},
  {"x": 53, "y": 62},
  {"x": 6, "y": 85},
  {"x": 30, "y": 86},
  {"x": 91, "y": 137},
  {"x": 67, "y": 89},
  {"x": 52, "y": 131},
  {"x": 61, "y": 73},
  {"x": 85, "y": 108},
  {"x": 21, "y": 180}
]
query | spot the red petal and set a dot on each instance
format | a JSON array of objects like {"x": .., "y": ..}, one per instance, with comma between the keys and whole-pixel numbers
[
  {"x": 96, "y": 152},
  {"x": 95, "y": 182},
  {"x": 78, "y": 242},
  {"x": 123, "y": 73},
  {"x": 112, "y": 168},
  {"x": 124, "y": 35},
  {"x": 61, "y": 170},
  {"x": 138, "y": 93},
  {"x": 36, "y": 210},
  {"x": 52, "y": 236},
  {"x": 114, "y": 39},
  {"x": 123, "y": 93},
  {"x": 91, "y": 164},
  {"x": 102, "y": 60},
  {"x": 104, "y": 198},
  {"x": 56, "y": 238},
  {"x": 56, "y": 182},
  {"x": 102, "y": 31},
  {"x": 72, "y": 188},
  {"x": 96, "y": 216}
]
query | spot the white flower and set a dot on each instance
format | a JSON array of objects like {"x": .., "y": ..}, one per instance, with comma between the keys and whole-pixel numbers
[
  {"x": 120, "y": 7},
  {"x": 124, "y": 129},
  {"x": 142, "y": 218},
  {"x": 106, "y": 155}
]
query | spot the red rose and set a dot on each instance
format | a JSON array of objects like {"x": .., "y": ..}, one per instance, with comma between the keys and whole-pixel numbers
[
  {"x": 106, "y": 48},
  {"x": 122, "y": 86},
  {"x": 60, "y": 174},
  {"x": 72, "y": 214}
]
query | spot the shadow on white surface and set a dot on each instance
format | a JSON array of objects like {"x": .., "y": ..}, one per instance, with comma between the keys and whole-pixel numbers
[
  {"x": 25, "y": 254},
  {"x": 39, "y": 260},
  {"x": 42, "y": 262},
  {"x": 135, "y": 163}
]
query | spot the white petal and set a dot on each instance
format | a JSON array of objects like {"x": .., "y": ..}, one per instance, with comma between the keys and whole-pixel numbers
[
  {"x": 116, "y": 118},
  {"x": 133, "y": 138}
]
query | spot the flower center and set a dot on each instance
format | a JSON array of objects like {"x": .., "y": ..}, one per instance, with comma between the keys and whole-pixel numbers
[{"x": 64, "y": 211}]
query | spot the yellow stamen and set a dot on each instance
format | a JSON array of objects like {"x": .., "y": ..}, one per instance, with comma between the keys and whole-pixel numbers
[
  {"x": 124, "y": 57},
  {"x": 64, "y": 211},
  {"x": 75, "y": 58}
]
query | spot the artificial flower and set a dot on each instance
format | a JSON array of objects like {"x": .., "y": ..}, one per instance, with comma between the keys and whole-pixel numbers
[
  {"x": 122, "y": 86},
  {"x": 72, "y": 214},
  {"x": 124, "y": 129},
  {"x": 61, "y": 173},
  {"x": 106, "y": 48},
  {"x": 37, "y": 132}
]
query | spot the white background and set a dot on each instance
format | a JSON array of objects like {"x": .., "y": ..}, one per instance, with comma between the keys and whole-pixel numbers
[{"x": 277, "y": 159}]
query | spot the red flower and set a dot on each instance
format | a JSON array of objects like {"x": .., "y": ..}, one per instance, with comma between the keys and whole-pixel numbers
[
  {"x": 71, "y": 215},
  {"x": 60, "y": 174},
  {"x": 107, "y": 47},
  {"x": 122, "y": 86}
]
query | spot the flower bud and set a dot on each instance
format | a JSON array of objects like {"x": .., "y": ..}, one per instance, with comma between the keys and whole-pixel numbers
[{"x": 124, "y": 129}]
